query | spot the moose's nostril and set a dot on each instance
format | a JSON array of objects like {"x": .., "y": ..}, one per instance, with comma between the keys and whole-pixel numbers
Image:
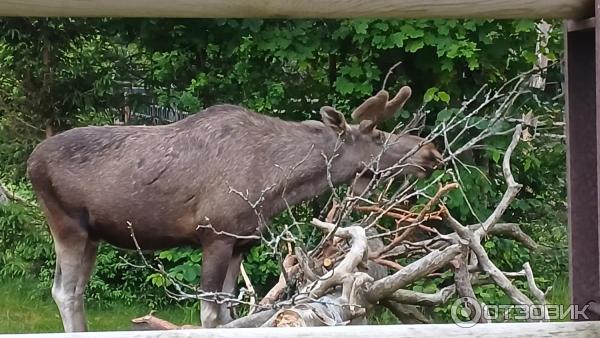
[{"x": 435, "y": 156}]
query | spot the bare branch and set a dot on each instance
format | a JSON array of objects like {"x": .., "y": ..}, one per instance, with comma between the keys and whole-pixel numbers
[
  {"x": 537, "y": 293},
  {"x": 432, "y": 262},
  {"x": 425, "y": 299},
  {"x": 390, "y": 72},
  {"x": 353, "y": 258},
  {"x": 225, "y": 233},
  {"x": 253, "y": 320},
  {"x": 512, "y": 189},
  {"x": 462, "y": 279},
  {"x": 513, "y": 231},
  {"x": 290, "y": 264},
  {"x": 407, "y": 314},
  {"x": 249, "y": 287},
  {"x": 486, "y": 264}
]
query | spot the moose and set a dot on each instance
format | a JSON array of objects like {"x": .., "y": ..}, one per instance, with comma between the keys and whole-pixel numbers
[{"x": 176, "y": 185}]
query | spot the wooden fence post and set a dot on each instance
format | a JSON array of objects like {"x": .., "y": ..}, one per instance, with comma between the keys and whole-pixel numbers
[{"x": 583, "y": 159}]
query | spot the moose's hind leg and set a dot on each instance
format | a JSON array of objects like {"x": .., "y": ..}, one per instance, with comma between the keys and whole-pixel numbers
[
  {"x": 75, "y": 262},
  {"x": 215, "y": 263},
  {"x": 229, "y": 286},
  {"x": 75, "y": 251}
]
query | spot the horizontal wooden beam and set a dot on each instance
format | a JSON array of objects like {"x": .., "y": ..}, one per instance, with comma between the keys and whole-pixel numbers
[
  {"x": 580, "y": 25},
  {"x": 574, "y": 9},
  {"x": 519, "y": 330}
]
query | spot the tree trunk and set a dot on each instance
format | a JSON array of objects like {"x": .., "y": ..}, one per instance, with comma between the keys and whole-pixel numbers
[
  {"x": 3, "y": 195},
  {"x": 49, "y": 129}
]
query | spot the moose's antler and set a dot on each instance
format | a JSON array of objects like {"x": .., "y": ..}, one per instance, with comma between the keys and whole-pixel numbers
[
  {"x": 377, "y": 108},
  {"x": 372, "y": 107},
  {"x": 397, "y": 102}
]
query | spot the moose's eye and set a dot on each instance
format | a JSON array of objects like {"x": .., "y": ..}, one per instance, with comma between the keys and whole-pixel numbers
[{"x": 379, "y": 137}]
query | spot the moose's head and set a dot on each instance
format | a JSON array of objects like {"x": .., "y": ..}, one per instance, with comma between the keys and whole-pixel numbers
[{"x": 403, "y": 154}]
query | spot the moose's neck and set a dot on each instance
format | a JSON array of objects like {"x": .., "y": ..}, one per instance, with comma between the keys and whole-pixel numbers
[
  {"x": 313, "y": 162},
  {"x": 340, "y": 161}
]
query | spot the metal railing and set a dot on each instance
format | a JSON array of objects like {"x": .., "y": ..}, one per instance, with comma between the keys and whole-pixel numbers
[{"x": 147, "y": 109}]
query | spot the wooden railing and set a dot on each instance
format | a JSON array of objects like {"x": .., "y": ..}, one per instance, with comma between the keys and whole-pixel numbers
[{"x": 302, "y": 8}]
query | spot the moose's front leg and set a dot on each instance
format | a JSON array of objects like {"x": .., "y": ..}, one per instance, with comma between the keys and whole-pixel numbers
[{"x": 215, "y": 263}]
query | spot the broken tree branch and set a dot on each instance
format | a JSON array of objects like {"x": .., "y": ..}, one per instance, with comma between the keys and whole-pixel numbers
[
  {"x": 486, "y": 264},
  {"x": 512, "y": 188},
  {"x": 462, "y": 279},
  {"x": 291, "y": 266},
  {"x": 432, "y": 262},
  {"x": 535, "y": 291},
  {"x": 353, "y": 258},
  {"x": 425, "y": 299}
]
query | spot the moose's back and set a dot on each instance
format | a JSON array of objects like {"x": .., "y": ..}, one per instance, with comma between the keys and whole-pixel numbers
[
  {"x": 167, "y": 179},
  {"x": 154, "y": 177}
]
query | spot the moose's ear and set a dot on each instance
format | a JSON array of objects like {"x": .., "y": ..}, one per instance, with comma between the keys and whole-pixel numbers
[
  {"x": 333, "y": 119},
  {"x": 366, "y": 126}
]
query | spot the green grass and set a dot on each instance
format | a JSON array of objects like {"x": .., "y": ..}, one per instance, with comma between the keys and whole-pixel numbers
[
  {"x": 22, "y": 313},
  {"x": 560, "y": 293}
]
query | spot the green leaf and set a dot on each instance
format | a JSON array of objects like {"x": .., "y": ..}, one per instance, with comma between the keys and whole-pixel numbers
[
  {"x": 411, "y": 31},
  {"x": 344, "y": 86},
  {"x": 361, "y": 26},
  {"x": 443, "y": 29},
  {"x": 447, "y": 65},
  {"x": 353, "y": 70},
  {"x": 430, "y": 288},
  {"x": 414, "y": 45},
  {"x": 430, "y": 94},
  {"x": 444, "y": 97},
  {"x": 397, "y": 39},
  {"x": 418, "y": 288},
  {"x": 523, "y": 26},
  {"x": 380, "y": 41},
  {"x": 166, "y": 254},
  {"x": 496, "y": 155},
  {"x": 190, "y": 274},
  {"x": 382, "y": 26},
  {"x": 444, "y": 115},
  {"x": 527, "y": 164}
]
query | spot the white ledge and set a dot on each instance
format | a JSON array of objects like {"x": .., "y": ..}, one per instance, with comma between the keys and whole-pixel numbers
[{"x": 523, "y": 330}]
